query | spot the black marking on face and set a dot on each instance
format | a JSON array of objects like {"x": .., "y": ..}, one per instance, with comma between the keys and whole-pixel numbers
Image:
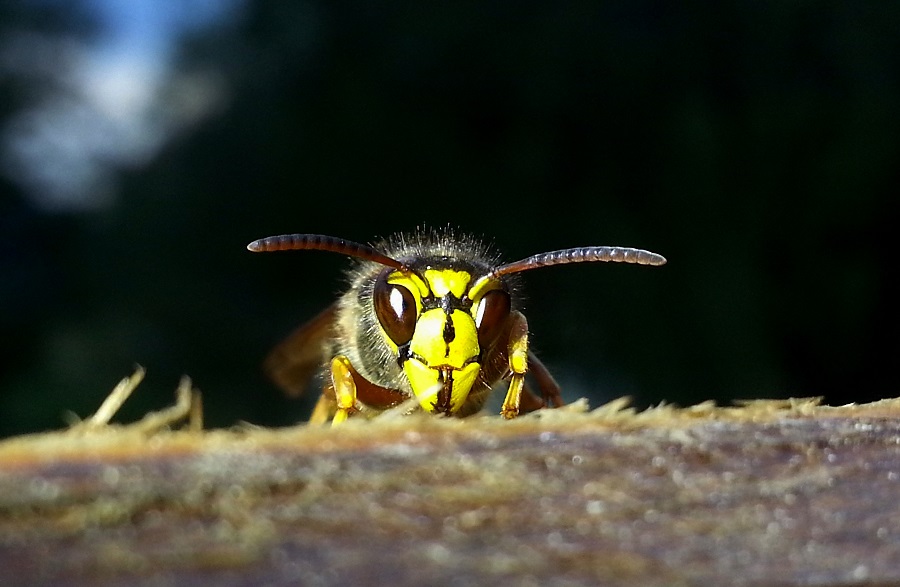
[
  {"x": 449, "y": 331},
  {"x": 447, "y": 303},
  {"x": 403, "y": 353}
]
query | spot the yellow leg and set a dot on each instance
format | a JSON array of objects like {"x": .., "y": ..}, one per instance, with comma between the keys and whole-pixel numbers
[
  {"x": 510, "y": 407},
  {"x": 518, "y": 365},
  {"x": 325, "y": 408},
  {"x": 344, "y": 388}
]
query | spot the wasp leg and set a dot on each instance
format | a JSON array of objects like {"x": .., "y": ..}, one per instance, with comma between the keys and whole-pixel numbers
[
  {"x": 325, "y": 408},
  {"x": 518, "y": 364},
  {"x": 344, "y": 388},
  {"x": 530, "y": 400},
  {"x": 550, "y": 390}
]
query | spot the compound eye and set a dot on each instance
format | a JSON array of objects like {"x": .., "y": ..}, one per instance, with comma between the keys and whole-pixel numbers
[
  {"x": 491, "y": 315},
  {"x": 396, "y": 311}
]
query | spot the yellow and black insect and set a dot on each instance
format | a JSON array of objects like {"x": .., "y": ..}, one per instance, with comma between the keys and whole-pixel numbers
[{"x": 431, "y": 316}]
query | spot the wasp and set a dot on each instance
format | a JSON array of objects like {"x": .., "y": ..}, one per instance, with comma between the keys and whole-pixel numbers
[{"x": 431, "y": 317}]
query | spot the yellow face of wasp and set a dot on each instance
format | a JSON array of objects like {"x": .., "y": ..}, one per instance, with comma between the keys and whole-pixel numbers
[{"x": 442, "y": 357}]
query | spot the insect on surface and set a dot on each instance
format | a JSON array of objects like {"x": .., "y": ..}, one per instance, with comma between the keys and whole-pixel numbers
[{"x": 432, "y": 316}]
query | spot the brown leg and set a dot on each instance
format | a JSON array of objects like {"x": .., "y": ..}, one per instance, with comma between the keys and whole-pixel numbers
[
  {"x": 530, "y": 401},
  {"x": 550, "y": 391},
  {"x": 549, "y": 388}
]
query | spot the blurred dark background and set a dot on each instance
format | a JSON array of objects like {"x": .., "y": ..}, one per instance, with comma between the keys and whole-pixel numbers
[{"x": 143, "y": 145}]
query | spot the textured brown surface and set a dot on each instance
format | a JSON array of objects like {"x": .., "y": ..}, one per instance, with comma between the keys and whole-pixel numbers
[{"x": 773, "y": 493}]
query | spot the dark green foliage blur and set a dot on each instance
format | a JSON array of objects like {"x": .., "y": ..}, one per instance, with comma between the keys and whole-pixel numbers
[{"x": 754, "y": 144}]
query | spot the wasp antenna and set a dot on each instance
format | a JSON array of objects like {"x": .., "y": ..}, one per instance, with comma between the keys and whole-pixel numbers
[
  {"x": 582, "y": 255},
  {"x": 321, "y": 242}
]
